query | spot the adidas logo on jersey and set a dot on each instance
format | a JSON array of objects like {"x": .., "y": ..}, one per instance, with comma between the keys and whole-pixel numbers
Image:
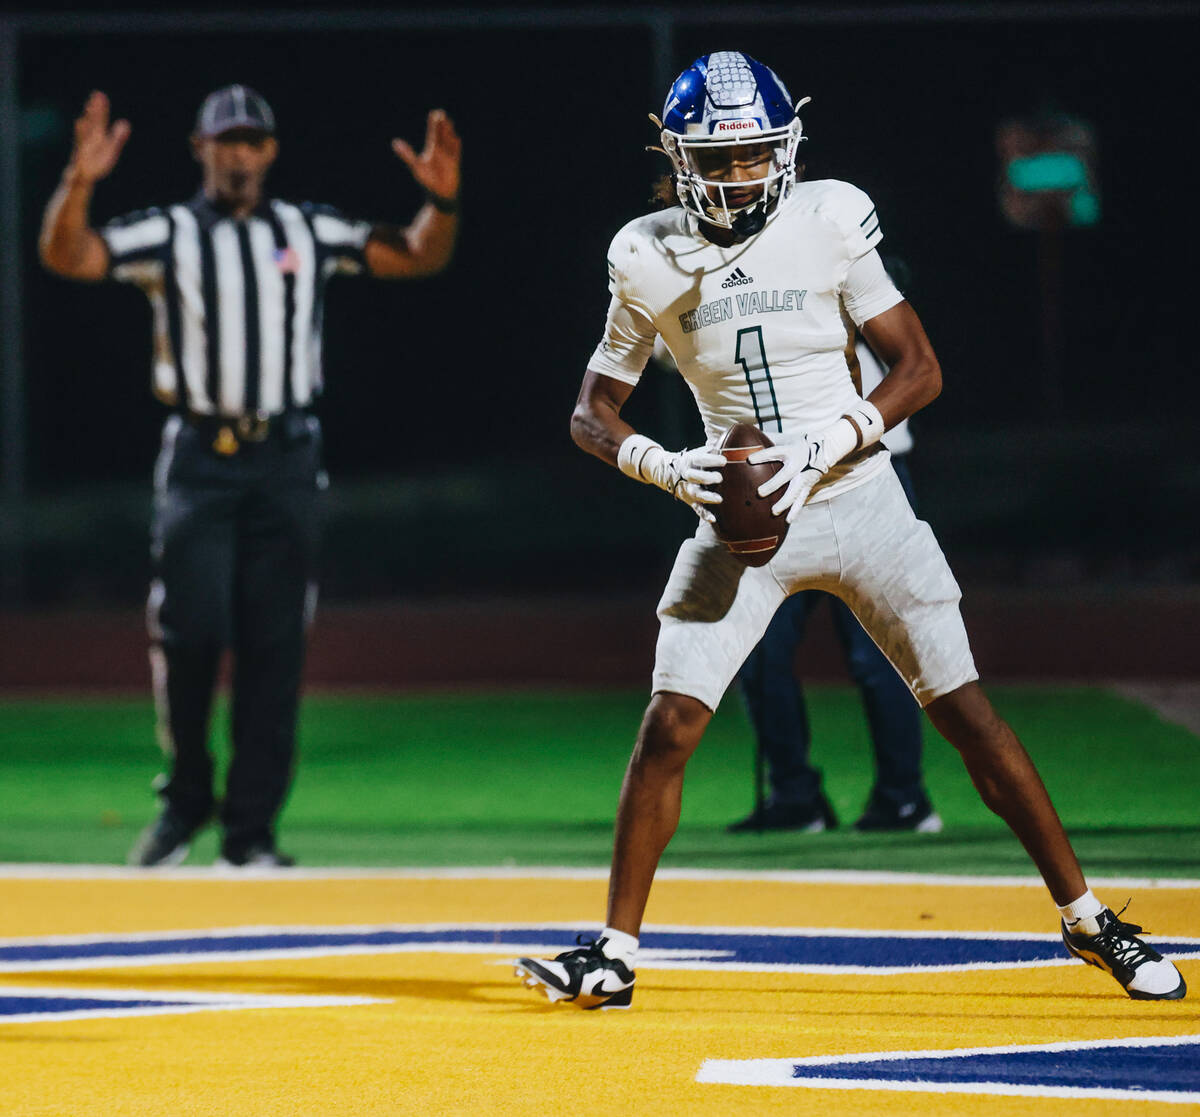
[{"x": 737, "y": 278}]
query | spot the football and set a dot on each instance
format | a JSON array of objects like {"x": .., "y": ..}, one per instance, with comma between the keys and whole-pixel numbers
[{"x": 745, "y": 523}]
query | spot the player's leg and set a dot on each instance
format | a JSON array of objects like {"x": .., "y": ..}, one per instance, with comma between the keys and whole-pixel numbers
[
  {"x": 600, "y": 974},
  {"x": 713, "y": 611},
  {"x": 896, "y": 579},
  {"x": 898, "y": 799},
  {"x": 774, "y": 701},
  {"x": 275, "y": 584},
  {"x": 649, "y": 803},
  {"x": 1009, "y": 784},
  {"x": 188, "y": 616}
]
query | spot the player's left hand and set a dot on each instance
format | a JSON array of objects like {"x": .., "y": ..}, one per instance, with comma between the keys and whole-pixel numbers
[
  {"x": 436, "y": 166},
  {"x": 804, "y": 464}
]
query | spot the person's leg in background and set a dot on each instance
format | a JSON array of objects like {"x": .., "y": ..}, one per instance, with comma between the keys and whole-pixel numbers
[
  {"x": 275, "y": 582},
  {"x": 189, "y": 617},
  {"x": 775, "y": 703},
  {"x": 898, "y": 799}
]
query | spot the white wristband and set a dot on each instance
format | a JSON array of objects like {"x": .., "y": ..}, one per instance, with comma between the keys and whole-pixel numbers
[
  {"x": 838, "y": 441},
  {"x": 868, "y": 422},
  {"x": 632, "y": 455}
]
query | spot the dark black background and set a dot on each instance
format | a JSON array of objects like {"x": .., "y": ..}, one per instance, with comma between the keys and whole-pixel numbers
[
  {"x": 553, "y": 125},
  {"x": 478, "y": 369}
]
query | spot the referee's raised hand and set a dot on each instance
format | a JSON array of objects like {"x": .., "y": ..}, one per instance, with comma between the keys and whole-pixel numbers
[
  {"x": 97, "y": 143},
  {"x": 436, "y": 167},
  {"x": 68, "y": 245}
]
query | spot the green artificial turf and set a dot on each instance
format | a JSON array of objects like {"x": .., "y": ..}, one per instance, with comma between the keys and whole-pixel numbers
[{"x": 532, "y": 779}]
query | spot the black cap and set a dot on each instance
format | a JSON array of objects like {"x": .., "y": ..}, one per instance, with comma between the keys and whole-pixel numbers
[{"x": 235, "y": 106}]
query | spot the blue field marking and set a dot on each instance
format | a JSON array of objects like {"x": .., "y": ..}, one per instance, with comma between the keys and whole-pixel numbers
[
  {"x": 28, "y": 1006},
  {"x": 21, "y": 1004},
  {"x": 1147, "y": 1068},
  {"x": 787, "y": 950},
  {"x": 1117, "y": 1066}
]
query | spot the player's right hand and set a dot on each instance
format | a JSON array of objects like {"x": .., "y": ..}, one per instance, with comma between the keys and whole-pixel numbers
[
  {"x": 686, "y": 474},
  {"x": 97, "y": 144}
]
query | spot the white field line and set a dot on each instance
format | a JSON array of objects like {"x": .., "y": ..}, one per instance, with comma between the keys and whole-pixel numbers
[{"x": 51, "y": 871}]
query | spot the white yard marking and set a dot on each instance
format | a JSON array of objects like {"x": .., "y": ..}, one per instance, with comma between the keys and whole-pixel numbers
[
  {"x": 1178, "y": 703},
  {"x": 48, "y": 871},
  {"x": 790, "y": 1072}
]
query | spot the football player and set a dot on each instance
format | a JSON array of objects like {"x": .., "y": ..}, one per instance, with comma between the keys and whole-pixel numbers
[{"x": 742, "y": 280}]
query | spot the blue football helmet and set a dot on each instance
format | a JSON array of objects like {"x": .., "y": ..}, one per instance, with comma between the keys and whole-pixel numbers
[{"x": 727, "y": 107}]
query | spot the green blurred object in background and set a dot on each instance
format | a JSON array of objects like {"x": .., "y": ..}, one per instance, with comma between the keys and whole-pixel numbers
[{"x": 1059, "y": 171}]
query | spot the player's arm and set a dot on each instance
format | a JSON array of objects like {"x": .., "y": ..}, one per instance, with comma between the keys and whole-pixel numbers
[
  {"x": 596, "y": 423},
  {"x": 425, "y": 246},
  {"x": 597, "y": 427},
  {"x": 614, "y": 370},
  {"x": 68, "y": 245},
  {"x": 914, "y": 379}
]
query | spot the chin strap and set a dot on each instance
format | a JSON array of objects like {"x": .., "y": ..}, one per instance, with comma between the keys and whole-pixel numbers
[{"x": 749, "y": 221}]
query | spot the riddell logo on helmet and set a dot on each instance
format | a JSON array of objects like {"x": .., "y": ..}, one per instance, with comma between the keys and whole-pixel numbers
[{"x": 736, "y": 125}]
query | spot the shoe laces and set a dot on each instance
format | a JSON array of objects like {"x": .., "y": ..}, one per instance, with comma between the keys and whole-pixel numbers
[
  {"x": 584, "y": 951},
  {"x": 588, "y": 957},
  {"x": 1121, "y": 939}
]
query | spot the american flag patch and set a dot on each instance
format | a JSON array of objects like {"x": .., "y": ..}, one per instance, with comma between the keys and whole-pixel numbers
[{"x": 287, "y": 260}]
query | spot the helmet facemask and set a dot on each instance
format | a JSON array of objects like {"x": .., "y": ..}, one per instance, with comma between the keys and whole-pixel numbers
[{"x": 704, "y": 172}]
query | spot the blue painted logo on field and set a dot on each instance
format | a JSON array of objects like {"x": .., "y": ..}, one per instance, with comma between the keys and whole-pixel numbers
[
  {"x": 57, "y": 1004},
  {"x": 1172, "y": 1067},
  {"x": 789, "y": 950},
  {"x": 30, "y": 1006},
  {"x": 1154, "y": 1068}
]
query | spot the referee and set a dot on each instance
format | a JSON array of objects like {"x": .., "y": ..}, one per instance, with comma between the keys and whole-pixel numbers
[{"x": 236, "y": 282}]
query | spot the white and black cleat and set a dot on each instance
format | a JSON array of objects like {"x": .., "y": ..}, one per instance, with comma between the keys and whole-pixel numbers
[
  {"x": 585, "y": 977},
  {"x": 1115, "y": 948},
  {"x": 165, "y": 842}
]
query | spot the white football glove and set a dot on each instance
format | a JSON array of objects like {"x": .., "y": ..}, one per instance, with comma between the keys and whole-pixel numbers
[
  {"x": 806, "y": 461},
  {"x": 683, "y": 474}
]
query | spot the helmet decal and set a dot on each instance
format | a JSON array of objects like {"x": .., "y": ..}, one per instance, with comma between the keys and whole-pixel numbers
[{"x": 730, "y": 82}]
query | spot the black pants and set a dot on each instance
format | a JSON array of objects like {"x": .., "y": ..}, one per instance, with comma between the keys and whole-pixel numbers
[{"x": 234, "y": 543}]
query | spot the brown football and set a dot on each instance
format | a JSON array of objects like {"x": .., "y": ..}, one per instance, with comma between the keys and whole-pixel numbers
[{"x": 744, "y": 520}]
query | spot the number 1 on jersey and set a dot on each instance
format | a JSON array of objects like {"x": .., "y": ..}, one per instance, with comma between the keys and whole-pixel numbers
[{"x": 751, "y": 354}]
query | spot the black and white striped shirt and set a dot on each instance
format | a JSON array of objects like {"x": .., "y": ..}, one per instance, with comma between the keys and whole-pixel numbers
[{"x": 237, "y": 302}]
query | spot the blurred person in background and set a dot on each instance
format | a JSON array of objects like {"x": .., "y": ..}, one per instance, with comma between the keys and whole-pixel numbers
[
  {"x": 236, "y": 283},
  {"x": 774, "y": 696}
]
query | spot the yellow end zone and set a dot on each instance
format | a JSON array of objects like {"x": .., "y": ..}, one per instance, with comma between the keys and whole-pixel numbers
[{"x": 454, "y": 1033}]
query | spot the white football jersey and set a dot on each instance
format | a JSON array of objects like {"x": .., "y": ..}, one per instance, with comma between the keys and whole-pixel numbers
[{"x": 756, "y": 328}]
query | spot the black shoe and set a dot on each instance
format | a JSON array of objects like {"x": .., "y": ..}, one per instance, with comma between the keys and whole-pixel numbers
[
  {"x": 586, "y": 977},
  {"x": 916, "y": 815},
  {"x": 165, "y": 841},
  {"x": 811, "y": 818},
  {"x": 258, "y": 855},
  {"x": 1115, "y": 948}
]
